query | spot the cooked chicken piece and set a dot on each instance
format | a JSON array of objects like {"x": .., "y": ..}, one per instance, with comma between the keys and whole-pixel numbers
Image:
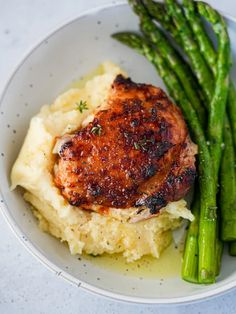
[{"x": 135, "y": 153}]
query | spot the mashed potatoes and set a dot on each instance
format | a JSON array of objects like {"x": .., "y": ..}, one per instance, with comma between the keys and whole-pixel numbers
[{"x": 84, "y": 231}]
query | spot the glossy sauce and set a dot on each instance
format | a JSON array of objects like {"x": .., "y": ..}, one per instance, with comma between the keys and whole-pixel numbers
[{"x": 168, "y": 265}]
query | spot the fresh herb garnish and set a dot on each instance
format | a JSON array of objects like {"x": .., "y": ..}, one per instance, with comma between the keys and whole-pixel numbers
[
  {"x": 81, "y": 106},
  {"x": 136, "y": 146},
  {"x": 142, "y": 144},
  {"x": 97, "y": 129}
]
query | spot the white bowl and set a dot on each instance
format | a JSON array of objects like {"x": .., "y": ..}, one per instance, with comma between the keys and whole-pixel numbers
[{"x": 68, "y": 53}]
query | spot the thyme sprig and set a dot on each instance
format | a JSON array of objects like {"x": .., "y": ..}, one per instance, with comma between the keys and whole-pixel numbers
[
  {"x": 97, "y": 129},
  {"x": 81, "y": 106}
]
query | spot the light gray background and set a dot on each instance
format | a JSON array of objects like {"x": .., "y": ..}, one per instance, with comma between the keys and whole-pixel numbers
[{"x": 25, "y": 285}]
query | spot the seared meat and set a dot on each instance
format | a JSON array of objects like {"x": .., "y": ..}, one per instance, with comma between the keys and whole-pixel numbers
[{"x": 135, "y": 153}]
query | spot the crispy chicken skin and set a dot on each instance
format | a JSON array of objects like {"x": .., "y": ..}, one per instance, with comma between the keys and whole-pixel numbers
[{"x": 135, "y": 153}]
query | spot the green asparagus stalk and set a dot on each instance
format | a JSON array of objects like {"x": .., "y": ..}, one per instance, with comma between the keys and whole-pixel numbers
[
  {"x": 206, "y": 173},
  {"x": 232, "y": 114},
  {"x": 218, "y": 103},
  {"x": 232, "y": 248},
  {"x": 191, "y": 48},
  {"x": 218, "y": 99},
  {"x": 228, "y": 187},
  {"x": 208, "y": 51},
  {"x": 174, "y": 60},
  {"x": 220, "y": 68},
  {"x": 158, "y": 11},
  {"x": 231, "y": 109},
  {"x": 206, "y": 47},
  {"x": 190, "y": 257},
  {"x": 219, "y": 252}
]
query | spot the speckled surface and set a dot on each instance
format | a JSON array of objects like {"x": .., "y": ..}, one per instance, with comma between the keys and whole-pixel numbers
[{"x": 26, "y": 286}]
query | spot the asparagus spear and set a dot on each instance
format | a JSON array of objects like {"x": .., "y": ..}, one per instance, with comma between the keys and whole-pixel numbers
[
  {"x": 174, "y": 60},
  {"x": 231, "y": 109},
  {"x": 206, "y": 174},
  {"x": 190, "y": 257},
  {"x": 158, "y": 11},
  {"x": 191, "y": 48},
  {"x": 218, "y": 102},
  {"x": 208, "y": 51},
  {"x": 204, "y": 42},
  {"x": 232, "y": 248},
  {"x": 232, "y": 114},
  {"x": 228, "y": 187}
]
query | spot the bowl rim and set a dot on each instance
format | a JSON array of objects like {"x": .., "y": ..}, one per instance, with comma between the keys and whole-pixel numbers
[{"x": 40, "y": 255}]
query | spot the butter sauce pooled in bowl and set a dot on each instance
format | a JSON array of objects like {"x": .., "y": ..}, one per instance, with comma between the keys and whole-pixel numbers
[{"x": 85, "y": 227}]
